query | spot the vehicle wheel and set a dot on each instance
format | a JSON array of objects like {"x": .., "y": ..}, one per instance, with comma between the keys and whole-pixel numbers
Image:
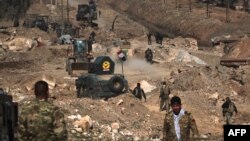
[
  {"x": 116, "y": 84},
  {"x": 70, "y": 66}
]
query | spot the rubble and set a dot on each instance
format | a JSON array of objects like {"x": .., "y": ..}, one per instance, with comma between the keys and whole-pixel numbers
[
  {"x": 115, "y": 127},
  {"x": 125, "y": 117},
  {"x": 19, "y": 44},
  {"x": 84, "y": 123}
]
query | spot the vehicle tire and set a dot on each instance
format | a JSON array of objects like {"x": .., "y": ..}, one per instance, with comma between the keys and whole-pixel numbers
[{"x": 116, "y": 84}]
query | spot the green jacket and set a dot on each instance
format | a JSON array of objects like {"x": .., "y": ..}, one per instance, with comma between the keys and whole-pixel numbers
[
  {"x": 187, "y": 124},
  {"x": 40, "y": 120}
]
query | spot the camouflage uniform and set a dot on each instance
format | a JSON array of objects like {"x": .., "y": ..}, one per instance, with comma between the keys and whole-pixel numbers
[
  {"x": 40, "y": 120},
  {"x": 186, "y": 124},
  {"x": 164, "y": 96},
  {"x": 228, "y": 108},
  {"x": 149, "y": 55}
]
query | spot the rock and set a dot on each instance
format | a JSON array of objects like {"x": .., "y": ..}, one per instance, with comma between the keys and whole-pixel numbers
[
  {"x": 119, "y": 102},
  {"x": 214, "y": 96},
  {"x": 63, "y": 85},
  {"x": 192, "y": 43},
  {"x": 215, "y": 119},
  {"x": 75, "y": 117},
  {"x": 85, "y": 123},
  {"x": 20, "y": 44},
  {"x": 136, "y": 138},
  {"x": 181, "y": 55},
  {"x": 73, "y": 131},
  {"x": 115, "y": 127},
  {"x": 146, "y": 86},
  {"x": 233, "y": 93},
  {"x": 92, "y": 106},
  {"x": 127, "y": 133},
  {"x": 123, "y": 110},
  {"x": 78, "y": 130},
  {"x": 203, "y": 136}
]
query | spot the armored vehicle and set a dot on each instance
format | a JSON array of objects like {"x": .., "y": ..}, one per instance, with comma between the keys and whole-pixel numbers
[
  {"x": 86, "y": 13},
  {"x": 101, "y": 82}
]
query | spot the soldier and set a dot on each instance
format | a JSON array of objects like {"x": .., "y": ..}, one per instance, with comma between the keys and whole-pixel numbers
[
  {"x": 164, "y": 97},
  {"x": 228, "y": 107},
  {"x": 99, "y": 13},
  {"x": 149, "y": 38},
  {"x": 160, "y": 38},
  {"x": 178, "y": 123},
  {"x": 92, "y": 36},
  {"x": 138, "y": 92},
  {"x": 90, "y": 43},
  {"x": 149, "y": 55},
  {"x": 39, "y": 119}
]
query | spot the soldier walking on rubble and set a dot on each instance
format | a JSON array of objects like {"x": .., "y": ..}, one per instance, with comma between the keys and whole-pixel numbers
[
  {"x": 158, "y": 38},
  {"x": 149, "y": 55},
  {"x": 228, "y": 108},
  {"x": 138, "y": 92},
  {"x": 164, "y": 97},
  {"x": 178, "y": 123},
  {"x": 40, "y": 119},
  {"x": 91, "y": 41}
]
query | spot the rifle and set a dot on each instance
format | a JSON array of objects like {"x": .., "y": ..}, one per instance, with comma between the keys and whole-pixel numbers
[{"x": 8, "y": 116}]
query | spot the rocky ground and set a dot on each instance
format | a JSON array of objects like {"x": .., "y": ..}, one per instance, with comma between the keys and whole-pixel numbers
[{"x": 194, "y": 75}]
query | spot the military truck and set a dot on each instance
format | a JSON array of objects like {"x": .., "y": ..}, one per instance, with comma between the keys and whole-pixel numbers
[
  {"x": 39, "y": 21},
  {"x": 86, "y": 12},
  {"x": 79, "y": 56},
  {"x": 101, "y": 82}
]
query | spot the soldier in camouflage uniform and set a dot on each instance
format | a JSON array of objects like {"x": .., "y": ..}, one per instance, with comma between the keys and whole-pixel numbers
[
  {"x": 164, "y": 97},
  {"x": 178, "y": 123},
  {"x": 228, "y": 108},
  {"x": 40, "y": 120}
]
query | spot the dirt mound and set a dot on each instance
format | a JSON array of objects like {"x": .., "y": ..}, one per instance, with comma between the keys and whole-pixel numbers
[
  {"x": 241, "y": 50},
  {"x": 34, "y": 59},
  {"x": 33, "y": 33},
  {"x": 189, "y": 79},
  {"x": 38, "y": 9}
]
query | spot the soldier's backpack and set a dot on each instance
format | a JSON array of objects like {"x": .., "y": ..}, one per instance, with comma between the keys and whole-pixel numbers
[{"x": 230, "y": 107}]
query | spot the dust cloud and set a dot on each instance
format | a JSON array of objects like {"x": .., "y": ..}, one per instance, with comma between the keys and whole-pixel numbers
[{"x": 135, "y": 65}]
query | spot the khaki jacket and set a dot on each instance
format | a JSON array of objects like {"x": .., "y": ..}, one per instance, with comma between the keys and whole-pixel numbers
[{"x": 187, "y": 123}]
